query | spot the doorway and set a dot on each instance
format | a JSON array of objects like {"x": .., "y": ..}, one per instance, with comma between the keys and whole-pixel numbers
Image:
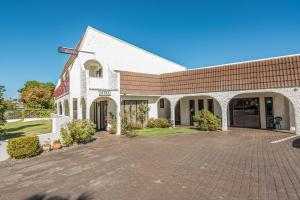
[
  {"x": 192, "y": 111},
  {"x": 269, "y": 112},
  {"x": 100, "y": 115}
]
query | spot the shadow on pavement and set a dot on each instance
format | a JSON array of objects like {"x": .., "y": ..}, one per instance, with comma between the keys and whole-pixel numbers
[
  {"x": 296, "y": 143},
  {"x": 41, "y": 196}
]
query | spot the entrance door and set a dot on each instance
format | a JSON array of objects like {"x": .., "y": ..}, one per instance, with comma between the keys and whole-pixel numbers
[
  {"x": 177, "y": 113},
  {"x": 269, "y": 112},
  {"x": 245, "y": 113},
  {"x": 100, "y": 113},
  {"x": 192, "y": 111}
]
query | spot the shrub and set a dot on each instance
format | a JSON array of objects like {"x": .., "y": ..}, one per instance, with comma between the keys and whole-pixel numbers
[
  {"x": 79, "y": 131},
  {"x": 24, "y": 147},
  {"x": 142, "y": 112},
  {"x": 14, "y": 114},
  {"x": 158, "y": 123},
  {"x": 66, "y": 137},
  {"x": 113, "y": 123},
  {"x": 37, "y": 113},
  {"x": 125, "y": 124},
  {"x": 134, "y": 126},
  {"x": 207, "y": 121}
]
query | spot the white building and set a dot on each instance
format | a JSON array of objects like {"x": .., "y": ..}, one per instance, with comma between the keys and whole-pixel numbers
[{"x": 118, "y": 76}]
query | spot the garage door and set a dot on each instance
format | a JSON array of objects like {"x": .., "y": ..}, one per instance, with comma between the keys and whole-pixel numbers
[{"x": 245, "y": 113}]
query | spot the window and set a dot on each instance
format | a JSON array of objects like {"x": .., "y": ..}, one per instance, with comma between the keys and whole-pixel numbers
[
  {"x": 200, "y": 104},
  {"x": 161, "y": 103},
  {"x": 210, "y": 105},
  {"x": 75, "y": 108}
]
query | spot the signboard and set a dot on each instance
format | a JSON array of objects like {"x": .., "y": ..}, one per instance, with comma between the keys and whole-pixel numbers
[
  {"x": 104, "y": 93},
  {"x": 67, "y": 51}
]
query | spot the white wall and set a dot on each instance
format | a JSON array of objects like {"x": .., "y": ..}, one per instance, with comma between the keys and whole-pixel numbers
[
  {"x": 163, "y": 112},
  {"x": 120, "y": 55}
]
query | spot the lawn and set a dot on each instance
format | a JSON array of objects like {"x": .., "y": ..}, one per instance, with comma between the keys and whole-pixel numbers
[
  {"x": 16, "y": 129},
  {"x": 148, "y": 132}
]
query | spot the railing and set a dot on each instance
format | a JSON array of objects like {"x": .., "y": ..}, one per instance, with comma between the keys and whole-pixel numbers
[{"x": 63, "y": 88}]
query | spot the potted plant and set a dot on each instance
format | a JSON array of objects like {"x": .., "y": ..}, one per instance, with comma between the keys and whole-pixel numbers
[
  {"x": 56, "y": 144},
  {"x": 46, "y": 146}
]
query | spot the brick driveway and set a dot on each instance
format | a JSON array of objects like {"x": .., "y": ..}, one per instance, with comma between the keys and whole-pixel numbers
[{"x": 240, "y": 164}]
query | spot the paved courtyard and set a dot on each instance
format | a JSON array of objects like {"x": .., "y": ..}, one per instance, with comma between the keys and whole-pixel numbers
[{"x": 240, "y": 164}]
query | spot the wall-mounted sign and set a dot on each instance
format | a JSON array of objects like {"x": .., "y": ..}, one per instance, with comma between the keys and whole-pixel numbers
[
  {"x": 104, "y": 92},
  {"x": 68, "y": 50}
]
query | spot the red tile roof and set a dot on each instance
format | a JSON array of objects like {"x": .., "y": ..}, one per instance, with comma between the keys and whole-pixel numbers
[{"x": 270, "y": 73}]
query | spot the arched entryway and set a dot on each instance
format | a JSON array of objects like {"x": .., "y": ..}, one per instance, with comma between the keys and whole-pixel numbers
[
  {"x": 101, "y": 110},
  {"x": 266, "y": 110},
  {"x": 164, "y": 108},
  {"x": 188, "y": 106}
]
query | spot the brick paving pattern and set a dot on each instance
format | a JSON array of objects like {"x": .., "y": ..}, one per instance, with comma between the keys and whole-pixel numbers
[{"x": 240, "y": 164}]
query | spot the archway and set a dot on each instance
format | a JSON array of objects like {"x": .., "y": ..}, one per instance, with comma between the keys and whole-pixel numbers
[
  {"x": 164, "y": 108},
  {"x": 95, "y": 68},
  {"x": 66, "y": 108},
  {"x": 188, "y": 106},
  {"x": 101, "y": 111},
  {"x": 83, "y": 108},
  {"x": 266, "y": 110}
]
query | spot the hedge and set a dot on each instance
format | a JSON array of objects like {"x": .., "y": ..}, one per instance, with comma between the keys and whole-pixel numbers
[
  {"x": 24, "y": 147},
  {"x": 37, "y": 113},
  {"x": 14, "y": 114},
  {"x": 158, "y": 123}
]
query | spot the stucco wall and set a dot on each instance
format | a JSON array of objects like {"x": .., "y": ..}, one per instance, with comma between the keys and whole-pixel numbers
[
  {"x": 163, "y": 112},
  {"x": 120, "y": 55}
]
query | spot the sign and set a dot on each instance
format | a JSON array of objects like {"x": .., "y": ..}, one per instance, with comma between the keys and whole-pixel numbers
[
  {"x": 67, "y": 51},
  {"x": 104, "y": 93}
]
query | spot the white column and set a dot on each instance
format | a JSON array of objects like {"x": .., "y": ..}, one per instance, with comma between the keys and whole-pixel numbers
[
  {"x": 79, "y": 109},
  {"x": 292, "y": 117},
  {"x": 172, "y": 111},
  {"x": 224, "y": 118}
]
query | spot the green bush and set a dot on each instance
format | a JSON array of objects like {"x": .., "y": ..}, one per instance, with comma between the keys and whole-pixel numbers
[
  {"x": 207, "y": 121},
  {"x": 134, "y": 126},
  {"x": 79, "y": 131},
  {"x": 24, "y": 147},
  {"x": 158, "y": 123},
  {"x": 37, "y": 113},
  {"x": 14, "y": 114},
  {"x": 113, "y": 123}
]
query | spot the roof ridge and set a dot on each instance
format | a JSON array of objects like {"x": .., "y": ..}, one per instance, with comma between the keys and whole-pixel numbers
[{"x": 248, "y": 61}]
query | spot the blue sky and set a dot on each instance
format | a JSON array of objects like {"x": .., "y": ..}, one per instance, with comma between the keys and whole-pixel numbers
[{"x": 191, "y": 33}]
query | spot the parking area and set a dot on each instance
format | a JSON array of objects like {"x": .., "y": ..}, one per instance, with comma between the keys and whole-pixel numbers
[{"x": 239, "y": 164}]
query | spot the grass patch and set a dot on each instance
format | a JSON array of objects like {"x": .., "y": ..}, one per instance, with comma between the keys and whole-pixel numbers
[
  {"x": 148, "y": 132},
  {"x": 15, "y": 129}
]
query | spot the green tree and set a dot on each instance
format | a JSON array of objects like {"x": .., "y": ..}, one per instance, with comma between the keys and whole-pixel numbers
[
  {"x": 37, "y": 95},
  {"x": 142, "y": 112},
  {"x": 2, "y": 108}
]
